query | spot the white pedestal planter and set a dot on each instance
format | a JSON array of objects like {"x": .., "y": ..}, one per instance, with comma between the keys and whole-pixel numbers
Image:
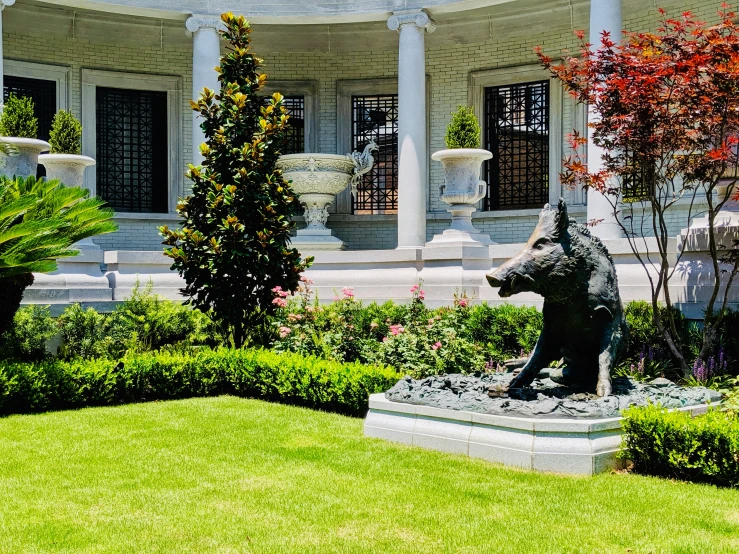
[
  {"x": 462, "y": 189},
  {"x": 70, "y": 170},
  {"x": 317, "y": 179},
  {"x": 24, "y": 162}
]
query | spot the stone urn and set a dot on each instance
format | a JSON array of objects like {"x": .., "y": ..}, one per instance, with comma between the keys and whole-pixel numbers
[
  {"x": 317, "y": 179},
  {"x": 23, "y": 162},
  {"x": 462, "y": 189},
  {"x": 68, "y": 168}
]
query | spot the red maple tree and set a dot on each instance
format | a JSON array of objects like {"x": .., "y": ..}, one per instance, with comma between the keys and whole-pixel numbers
[{"x": 665, "y": 108}]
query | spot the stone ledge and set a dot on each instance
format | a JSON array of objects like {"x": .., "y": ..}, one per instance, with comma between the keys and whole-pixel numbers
[{"x": 567, "y": 445}]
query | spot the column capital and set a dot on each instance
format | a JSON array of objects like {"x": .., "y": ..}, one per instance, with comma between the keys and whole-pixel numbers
[
  {"x": 196, "y": 22},
  {"x": 4, "y": 3},
  {"x": 419, "y": 18}
]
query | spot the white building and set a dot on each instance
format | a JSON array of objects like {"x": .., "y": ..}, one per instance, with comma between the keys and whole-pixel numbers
[{"x": 351, "y": 71}]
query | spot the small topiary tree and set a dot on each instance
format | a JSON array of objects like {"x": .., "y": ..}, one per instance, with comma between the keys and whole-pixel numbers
[
  {"x": 233, "y": 248},
  {"x": 463, "y": 130},
  {"x": 17, "y": 119},
  {"x": 66, "y": 134}
]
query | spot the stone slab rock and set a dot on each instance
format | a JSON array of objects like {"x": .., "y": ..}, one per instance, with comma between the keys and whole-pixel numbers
[{"x": 545, "y": 398}]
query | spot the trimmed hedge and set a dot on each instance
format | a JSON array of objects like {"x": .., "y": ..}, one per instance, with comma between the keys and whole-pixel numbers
[
  {"x": 283, "y": 377},
  {"x": 676, "y": 445}
]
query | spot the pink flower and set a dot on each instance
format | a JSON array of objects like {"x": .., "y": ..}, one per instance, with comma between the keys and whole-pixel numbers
[
  {"x": 373, "y": 325},
  {"x": 436, "y": 345},
  {"x": 384, "y": 339},
  {"x": 336, "y": 298},
  {"x": 421, "y": 295},
  {"x": 431, "y": 321},
  {"x": 415, "y": 288},
  {"x": 277, "y": 289},
  {"x": 293, "y": 317},
  {"x": 306, "y": 280},
  {"x": 462, "y": 302},
  {"x": 285, "y": 331},
  {"x": 396, "y": 329},
  {"x": 348, "y": 292},
  {"x": 281, "y": 302}
]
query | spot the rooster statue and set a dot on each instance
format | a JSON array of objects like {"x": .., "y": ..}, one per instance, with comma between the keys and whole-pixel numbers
[{"x": 363, "y": 163}]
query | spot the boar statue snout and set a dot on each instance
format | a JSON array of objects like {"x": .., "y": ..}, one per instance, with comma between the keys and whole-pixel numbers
[{"x": 507, "y": 282}]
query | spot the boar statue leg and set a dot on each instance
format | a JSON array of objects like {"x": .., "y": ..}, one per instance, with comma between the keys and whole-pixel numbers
[
  {"x": 540, "y": 358},
  {"x": 609, "y": 349}
]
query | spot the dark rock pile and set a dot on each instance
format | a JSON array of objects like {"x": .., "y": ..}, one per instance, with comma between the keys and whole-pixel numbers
[{"x": 545, "y": 397}]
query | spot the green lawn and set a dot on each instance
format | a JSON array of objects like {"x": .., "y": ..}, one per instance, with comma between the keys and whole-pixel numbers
[{"x": 233, "y": 475}]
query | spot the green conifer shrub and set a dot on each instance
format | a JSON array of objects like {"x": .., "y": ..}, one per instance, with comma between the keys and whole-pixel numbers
[
  {"x": 463, "y": 130},
  {"x": 66, "y": 134},
  {"x": 233, "y": 247},
  {"x": 17, "y": 119}
]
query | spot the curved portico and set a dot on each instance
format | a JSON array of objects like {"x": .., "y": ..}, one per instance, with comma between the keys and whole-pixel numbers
[{"x": 330, "y": 57}]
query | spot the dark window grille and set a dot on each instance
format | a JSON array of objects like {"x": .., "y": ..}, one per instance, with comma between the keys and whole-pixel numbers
[
  {"x": 376, "y": 118},
  {"x": 517, "y": 133},
  {"x": 132, "y": 154},
  {"x": 634, "y": 184},
  {"x": 43, "y": 94},
  {"x": 295, "y": 133}
]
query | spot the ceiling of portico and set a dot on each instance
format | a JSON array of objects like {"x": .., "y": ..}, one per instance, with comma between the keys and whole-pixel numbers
[{"x": 78, "y": 19}]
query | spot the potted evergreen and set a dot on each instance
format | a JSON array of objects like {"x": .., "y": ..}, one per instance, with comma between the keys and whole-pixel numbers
[
  {"x": 462, "y": 187},
  {"x": 19, "y": 128},
  {"x": 65, "y": 162}
]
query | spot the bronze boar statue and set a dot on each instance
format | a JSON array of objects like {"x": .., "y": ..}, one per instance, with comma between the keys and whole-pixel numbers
[{"x": 584, "y": 319}]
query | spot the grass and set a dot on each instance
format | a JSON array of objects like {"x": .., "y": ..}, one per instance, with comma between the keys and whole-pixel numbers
[{"x": 232, "y": 475}]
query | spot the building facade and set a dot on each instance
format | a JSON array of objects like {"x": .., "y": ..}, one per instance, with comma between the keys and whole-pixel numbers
[{"x": 351, "y": 72}]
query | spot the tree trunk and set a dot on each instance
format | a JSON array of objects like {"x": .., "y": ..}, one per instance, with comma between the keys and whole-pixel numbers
[{"x": 11, "y": 294}]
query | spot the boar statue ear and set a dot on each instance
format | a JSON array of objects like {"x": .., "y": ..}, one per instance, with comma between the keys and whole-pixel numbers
[
  {"x": 563, "y": 221},
  {"x": 546, "y": 209}
]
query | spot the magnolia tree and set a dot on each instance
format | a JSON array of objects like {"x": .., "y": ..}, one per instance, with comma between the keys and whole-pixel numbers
[
  {"x": 666, "y": 108},
  {"x": 233, "y": 248}
]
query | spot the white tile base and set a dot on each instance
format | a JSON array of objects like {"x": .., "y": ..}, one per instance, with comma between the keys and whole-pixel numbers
[{"x": 574, "y": 446}]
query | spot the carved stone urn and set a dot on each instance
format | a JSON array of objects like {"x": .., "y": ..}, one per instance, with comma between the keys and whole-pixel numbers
[
  {"x": 68, "y": 168},
  {"x": 23, "y": 162},
  {"x": 317, "y": 179},
  {"x": 462, "y": 189}
]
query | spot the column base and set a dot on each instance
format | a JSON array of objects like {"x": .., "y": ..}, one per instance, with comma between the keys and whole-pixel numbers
[{"x": 456, "y": 237}]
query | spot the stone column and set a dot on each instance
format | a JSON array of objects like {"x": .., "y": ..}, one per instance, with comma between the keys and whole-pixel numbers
[
  {"x": 412, "y": 149},
  {"x": 605, "y": 15},
  {"x": 3, "y": 3},
  {"x": 206, "y": 56}
]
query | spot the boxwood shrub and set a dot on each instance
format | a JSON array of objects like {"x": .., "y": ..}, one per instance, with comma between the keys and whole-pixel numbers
[
  {"x": 282, "y": 377},
  {"x": 676, "y": 445}
]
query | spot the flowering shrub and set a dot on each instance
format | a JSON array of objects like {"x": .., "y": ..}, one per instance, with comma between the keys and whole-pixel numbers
[{"x": 410, "y": 337}]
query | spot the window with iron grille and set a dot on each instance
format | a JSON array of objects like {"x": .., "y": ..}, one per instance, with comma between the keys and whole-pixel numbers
[
  {"x": 43, "y": 94},
  {"x": 517, "y": 133},
  {"x": 132, "y": 153},
  {"x": 634, "y": 187},
  {"x": 295, "y": 134},
  {"x": 376, "y": 118}
]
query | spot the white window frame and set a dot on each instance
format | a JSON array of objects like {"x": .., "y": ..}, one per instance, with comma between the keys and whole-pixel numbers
[
  {"x": 60, "y": 74},
  {"x": 309, "y": 91},
  {"x": 479, "y": 80},
  {"x": 172, "y": 85}
]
